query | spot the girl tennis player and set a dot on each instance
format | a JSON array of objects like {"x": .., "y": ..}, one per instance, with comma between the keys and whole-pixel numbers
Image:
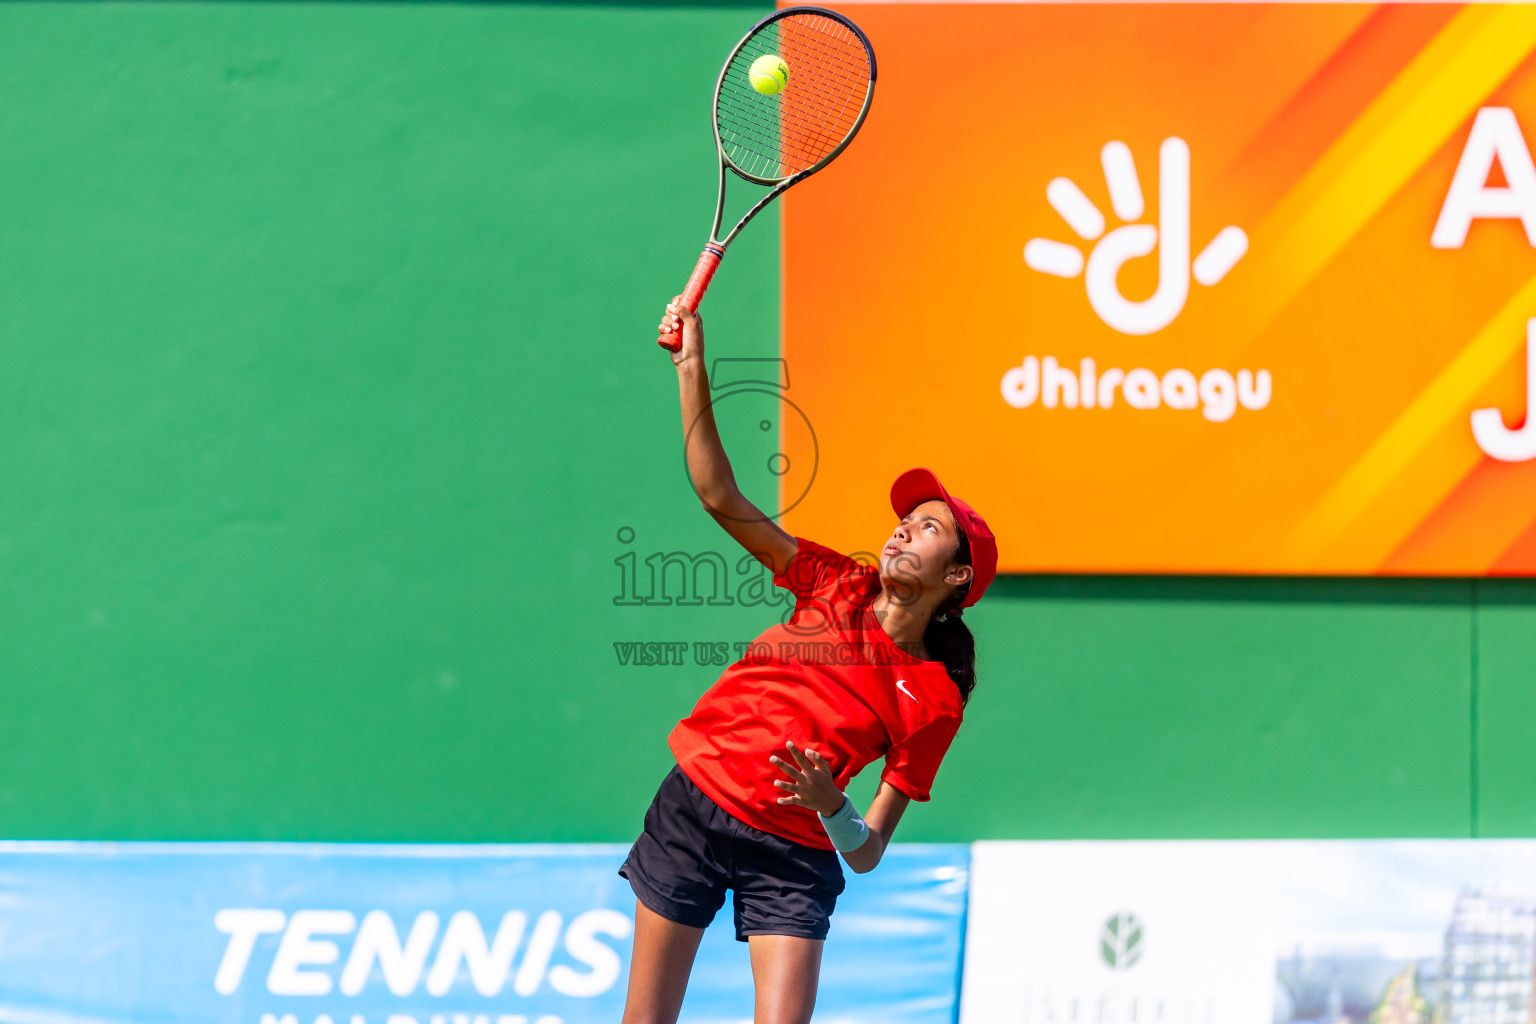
[{"x": 873, "y": 663}]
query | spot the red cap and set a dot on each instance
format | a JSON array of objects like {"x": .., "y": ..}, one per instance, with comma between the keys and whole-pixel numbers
[{"x": 916, "y": 486}]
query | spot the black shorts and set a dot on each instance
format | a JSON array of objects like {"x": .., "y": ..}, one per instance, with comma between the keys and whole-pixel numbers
[{"x": 691, "y": 852}]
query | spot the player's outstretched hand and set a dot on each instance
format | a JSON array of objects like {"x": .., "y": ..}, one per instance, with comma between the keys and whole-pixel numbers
[
  {"x": 677, "y": 318},
  {"x": 810, "y": 782}
]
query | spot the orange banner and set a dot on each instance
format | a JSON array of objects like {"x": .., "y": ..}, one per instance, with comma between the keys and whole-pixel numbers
[{"x": 1182, "y": 288}]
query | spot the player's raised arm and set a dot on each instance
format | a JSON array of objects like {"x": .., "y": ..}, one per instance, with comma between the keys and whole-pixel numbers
[{"x": 708, "y": 465}]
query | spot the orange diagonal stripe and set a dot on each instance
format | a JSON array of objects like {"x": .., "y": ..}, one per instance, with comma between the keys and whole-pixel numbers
[
  {"x": 1446, "y": 398},
  {"x": 1372, "y": 160},
  {"x": 1480, "y": 519}
]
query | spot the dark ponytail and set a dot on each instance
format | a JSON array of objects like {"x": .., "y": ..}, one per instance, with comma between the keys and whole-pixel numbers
[{"x": 948, "y": 639}]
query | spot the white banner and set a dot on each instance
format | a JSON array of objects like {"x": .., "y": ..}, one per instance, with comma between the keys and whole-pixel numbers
[{"x": 1293, "y": 932}]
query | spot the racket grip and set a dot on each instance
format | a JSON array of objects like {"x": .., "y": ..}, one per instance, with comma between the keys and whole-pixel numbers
[{"x": 693, "y": 294}]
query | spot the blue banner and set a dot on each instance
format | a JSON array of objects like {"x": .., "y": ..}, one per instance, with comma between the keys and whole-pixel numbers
[{"x": 211, "y": 933}]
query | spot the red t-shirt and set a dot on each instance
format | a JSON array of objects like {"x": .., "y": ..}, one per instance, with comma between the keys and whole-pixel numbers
[{"x": 830, "y": 680}]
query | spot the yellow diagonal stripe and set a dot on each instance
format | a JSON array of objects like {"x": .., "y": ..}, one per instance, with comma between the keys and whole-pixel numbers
[
  {"x": 1384, "y": 147},
  {"x": 1447, "y": 398}
]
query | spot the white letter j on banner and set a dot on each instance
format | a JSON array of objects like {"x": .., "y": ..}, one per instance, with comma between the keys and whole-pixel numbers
[{"x": 1493, "y": 437}]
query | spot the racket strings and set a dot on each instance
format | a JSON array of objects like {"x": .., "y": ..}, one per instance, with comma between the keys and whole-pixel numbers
[
  {"x": 819, "y": 116},
  {"x": 779, "y": 136},
  {"x": 815, "y": 116},
  {"x": 753, "y": 117},
  {"x": 747, "y": 120},
  {"x": 815, "y": 120}
]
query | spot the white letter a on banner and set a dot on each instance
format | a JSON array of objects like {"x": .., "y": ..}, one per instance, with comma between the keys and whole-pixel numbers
[{"x": 1495, "y": 136}]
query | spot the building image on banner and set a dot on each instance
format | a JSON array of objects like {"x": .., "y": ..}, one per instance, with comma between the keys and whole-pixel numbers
[{"x": 1482, "y": 974}]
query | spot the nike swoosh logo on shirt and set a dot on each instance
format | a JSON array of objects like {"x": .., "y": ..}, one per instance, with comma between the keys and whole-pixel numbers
[{"x": 901, "y": 684}]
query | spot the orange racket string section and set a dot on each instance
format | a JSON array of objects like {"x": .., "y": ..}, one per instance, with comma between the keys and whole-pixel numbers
[
  {"x": 820, "y": 108},
  {"x": 771, "y": 138}
]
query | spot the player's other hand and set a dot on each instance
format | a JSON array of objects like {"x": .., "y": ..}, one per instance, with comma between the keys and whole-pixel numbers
[
  {"x": 677, "y": 318},
  {"x": 810, "y": 783}
]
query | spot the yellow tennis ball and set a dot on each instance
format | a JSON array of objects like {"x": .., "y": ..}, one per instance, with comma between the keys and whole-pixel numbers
[{"x": 769, "y": 74}]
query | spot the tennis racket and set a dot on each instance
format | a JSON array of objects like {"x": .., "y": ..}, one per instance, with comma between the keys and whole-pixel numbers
[{"x": 784, "y": 138}]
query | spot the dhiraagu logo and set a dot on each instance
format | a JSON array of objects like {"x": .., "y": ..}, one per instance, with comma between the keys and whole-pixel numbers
[
  {"x": 1218, "y": 393},
  {"x": 1120, "y": 941},
  {"x": 1113, "y": 250}
]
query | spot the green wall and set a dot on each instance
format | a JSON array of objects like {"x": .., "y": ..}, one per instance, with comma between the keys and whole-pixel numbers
[{"x": 327, "y": 385}]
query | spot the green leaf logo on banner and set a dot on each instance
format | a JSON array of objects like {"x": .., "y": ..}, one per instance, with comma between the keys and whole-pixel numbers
[{"x": 1120, "y": 941}]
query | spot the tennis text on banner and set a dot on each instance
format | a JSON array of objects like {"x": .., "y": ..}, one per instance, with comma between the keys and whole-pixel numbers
[{"x": 307, "y": 947}]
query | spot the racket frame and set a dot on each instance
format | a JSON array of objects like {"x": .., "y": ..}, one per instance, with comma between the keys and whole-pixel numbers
[{"x": 714, "y": 252}]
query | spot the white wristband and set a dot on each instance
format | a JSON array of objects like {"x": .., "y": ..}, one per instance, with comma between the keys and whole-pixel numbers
[{"x": 845, "y": 828}]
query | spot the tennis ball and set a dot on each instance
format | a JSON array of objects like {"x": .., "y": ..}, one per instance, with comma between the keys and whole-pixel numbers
[{"x": 769, "y": 74}]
